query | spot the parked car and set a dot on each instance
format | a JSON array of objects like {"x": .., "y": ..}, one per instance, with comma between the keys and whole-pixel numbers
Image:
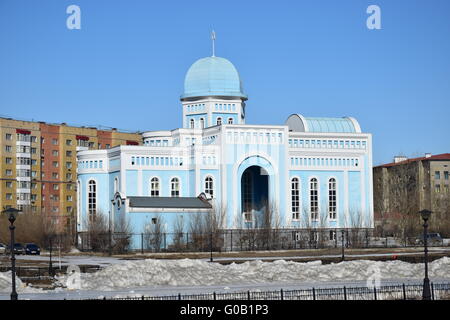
[
  {"x": 31, "y": 248},
  {"x": 18, "y": 249},
  {"x": 432, "y": 239},
  {"x": 2, "y": 248}
]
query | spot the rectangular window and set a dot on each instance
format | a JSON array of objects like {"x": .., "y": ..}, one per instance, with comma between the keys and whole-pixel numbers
[
  {"x": 55, "y": 186},
  {"x": 55, "y": 153},
  {"x": 445, "y": 175},
  {"x": 68, "y": 142},
  {"x": 55, "y": 142},
  {"x": 68, "y": 153},
  {"x": 33, "y": 150},
  {"x": 69, "y": 165},
  {"x": 437, "y": 188},
  {"x": 9, "y": 196},
  {"x": 8, "y": 184},
  {"x": 55, "y": 164},
  {"x": 8, "y": 160},
  {"x": 8, "y": 172},
  {"x": 54, "y": 175},
  {"x": 8, "y": 136},
  {"x": 437, "y": 175},
  {"x": 8, "y": 148}
]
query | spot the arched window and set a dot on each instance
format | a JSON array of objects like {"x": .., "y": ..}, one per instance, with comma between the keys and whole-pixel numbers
[
  {"x": 209, "y": 186},
  {"x": 314, "y": 199},
  {"x": 192, "y": 123},
  {"x": 202, "y": 123},
  {"x": 332, "y": 198},
  {"x": 175, "y": 187},
  {"x": 295, "y": 198},
  {"x": 219, "y": 121},
  {"x": 154, "y": 187},
  {"x": 92, "y": 198},
  {"x": 230, "y": 120}
]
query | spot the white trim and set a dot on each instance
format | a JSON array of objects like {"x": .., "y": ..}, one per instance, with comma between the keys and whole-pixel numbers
[
  {"x": 275, "y": 197},
  {"x": 87, "y": 195},
  {"x": 300, "y": 208},
  {"x": 328, "y": 198}
]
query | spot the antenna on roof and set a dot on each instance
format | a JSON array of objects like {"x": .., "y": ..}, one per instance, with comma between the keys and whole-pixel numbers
[{"x": 213, "y": 38}]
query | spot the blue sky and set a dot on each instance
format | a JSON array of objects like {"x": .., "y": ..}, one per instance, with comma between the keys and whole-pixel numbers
[{"x": 125, "y": 67}]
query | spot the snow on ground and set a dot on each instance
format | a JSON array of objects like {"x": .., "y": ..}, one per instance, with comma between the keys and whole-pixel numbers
[
  {"x": 167, "y": 277},
  {"x": 188, "y": 272}
]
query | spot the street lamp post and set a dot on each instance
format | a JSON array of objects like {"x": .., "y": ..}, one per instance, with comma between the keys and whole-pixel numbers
[
  {"x": 12, "y": 213},
  {"x": 342, "y": 239},
  {"x": 426, "y": 293}
]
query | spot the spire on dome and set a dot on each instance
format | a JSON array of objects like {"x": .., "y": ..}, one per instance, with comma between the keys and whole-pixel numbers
[{"x": 213, "y": 38}]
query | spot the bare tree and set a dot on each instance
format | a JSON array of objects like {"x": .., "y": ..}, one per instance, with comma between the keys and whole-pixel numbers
[
  {"x": 97, "y": 232},
  {"x": 178, "y": 233},
  {"x": 154, "y": 231},
  {"x": 30, "y": 226},
  {"x": 121, "y": 238}
]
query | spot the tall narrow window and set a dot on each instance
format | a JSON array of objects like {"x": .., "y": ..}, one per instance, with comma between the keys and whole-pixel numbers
[
  {"x": 175, "y": 187},
  {"x": 295, "y": 198},
  {"x": 314, "y": 199},
  {"x": 92, "y": 198},
  {"x": 247, "y": 196},
  {"x": 192, "y": 122},
  {"x": 209, "y": 186},
  {"x": 154, "y": 187},
  {"x": 219, "y": 121},
  {"x": 332, "y": 198},
  {"x": 230, "y": 120},
  {"x": 202, "y": 123}
]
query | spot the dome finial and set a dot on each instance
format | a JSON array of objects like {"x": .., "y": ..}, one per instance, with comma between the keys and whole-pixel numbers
[{"x": 213, "y": 38}]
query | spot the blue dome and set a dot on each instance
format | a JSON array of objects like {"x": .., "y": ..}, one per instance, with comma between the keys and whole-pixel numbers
[{"x": 212, "y": 76}]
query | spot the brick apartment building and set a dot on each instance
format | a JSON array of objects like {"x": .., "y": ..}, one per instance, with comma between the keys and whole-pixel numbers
[
  {"x": 406, "y": 186},
  {"x": 38, "y": 165}
]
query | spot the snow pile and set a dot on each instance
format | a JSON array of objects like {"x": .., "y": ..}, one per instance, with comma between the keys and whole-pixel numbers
[
  {"x": 5, "y": 281},
  {"x": 187, "y": 272}
]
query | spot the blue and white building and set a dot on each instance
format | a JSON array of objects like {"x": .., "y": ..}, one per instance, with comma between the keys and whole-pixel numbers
[{"x": 308, "y": 171}]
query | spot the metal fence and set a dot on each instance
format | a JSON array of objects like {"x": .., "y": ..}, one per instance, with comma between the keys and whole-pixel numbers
[
  {"x": 440, "y": 291},
  {"x": 241, "y": 240}
]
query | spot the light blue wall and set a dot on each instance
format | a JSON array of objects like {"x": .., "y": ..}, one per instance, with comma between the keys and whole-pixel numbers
[
  {"x": 354, "y": 196},
  {"x": 276, "y": 160},
  {"x": 224, "y": 117},
  {"x": 164, "y": 179},
  {"x": 138, "y": 221},
  {"x": 323, "y": 177},
  {"x": 196, "y": 117},
  {"x": 103, "y": 191}
]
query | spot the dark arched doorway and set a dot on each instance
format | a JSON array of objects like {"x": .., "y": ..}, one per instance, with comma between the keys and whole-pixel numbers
[{"x": 254, "y": 193}]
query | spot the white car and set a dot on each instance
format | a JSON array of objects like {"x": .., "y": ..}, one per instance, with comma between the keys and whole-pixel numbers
[{"x": 2, "y": 248}]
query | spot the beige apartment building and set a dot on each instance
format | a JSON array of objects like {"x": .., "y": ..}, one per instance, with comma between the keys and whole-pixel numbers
[
  {"x": 406, "y": 186},
  {"x": 38, "y": 165}
]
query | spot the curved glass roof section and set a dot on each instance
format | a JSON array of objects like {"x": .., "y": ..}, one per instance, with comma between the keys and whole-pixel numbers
[
  {"x": 343, "y": 125},
  {"x": 212, "y": 76}
]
